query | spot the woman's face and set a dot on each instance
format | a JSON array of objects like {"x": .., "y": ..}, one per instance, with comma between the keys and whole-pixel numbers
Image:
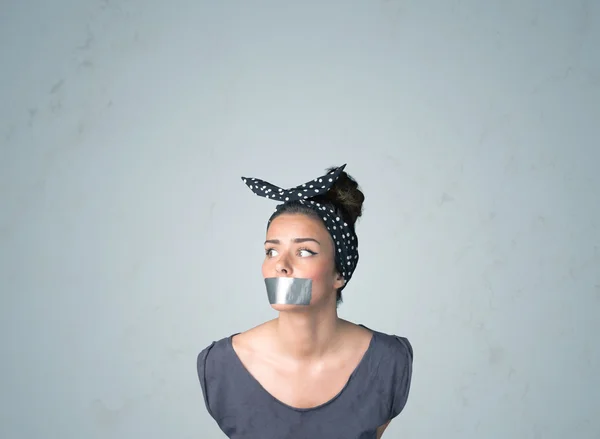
[{"x": 300, "y": 246}]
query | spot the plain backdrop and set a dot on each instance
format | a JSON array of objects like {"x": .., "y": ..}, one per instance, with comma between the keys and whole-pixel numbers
[{"x": 128, "y": 241}]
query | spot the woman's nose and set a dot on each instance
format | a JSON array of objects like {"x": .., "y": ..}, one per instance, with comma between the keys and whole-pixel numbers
[{"x": 283, "y": 267}]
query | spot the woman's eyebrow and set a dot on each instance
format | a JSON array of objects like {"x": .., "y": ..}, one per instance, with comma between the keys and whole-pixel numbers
[{"x": 296, "y": 240}]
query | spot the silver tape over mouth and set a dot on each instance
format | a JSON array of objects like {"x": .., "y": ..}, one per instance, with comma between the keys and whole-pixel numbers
[{"x": 289, "y": 290}]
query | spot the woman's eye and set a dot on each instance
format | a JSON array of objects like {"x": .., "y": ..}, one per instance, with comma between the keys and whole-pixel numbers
[
  {"x": 304, "y": 252},
  {"x": 270, "y": 252}
]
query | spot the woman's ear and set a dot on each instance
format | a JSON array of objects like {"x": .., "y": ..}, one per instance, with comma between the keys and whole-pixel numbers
[{"x": 339, "y": 281}]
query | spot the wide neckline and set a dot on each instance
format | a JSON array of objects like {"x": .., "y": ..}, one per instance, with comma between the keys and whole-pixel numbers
[{"x": 308, "y": 409}]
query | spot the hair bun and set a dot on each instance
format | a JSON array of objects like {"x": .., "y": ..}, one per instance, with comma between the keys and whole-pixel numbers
[{"x": 346, "y": 195}]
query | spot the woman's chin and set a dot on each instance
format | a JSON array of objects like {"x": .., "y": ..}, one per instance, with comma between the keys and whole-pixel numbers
[{"x": 289, "y": 308}]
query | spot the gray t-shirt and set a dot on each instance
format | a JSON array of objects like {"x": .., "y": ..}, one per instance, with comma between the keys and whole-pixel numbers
[{"x": 375, "y": 393}]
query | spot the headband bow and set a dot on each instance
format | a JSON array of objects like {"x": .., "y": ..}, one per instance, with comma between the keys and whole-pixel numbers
[
  {"x": 343, "y": 235},
  {"x": 315, "y": 187}
]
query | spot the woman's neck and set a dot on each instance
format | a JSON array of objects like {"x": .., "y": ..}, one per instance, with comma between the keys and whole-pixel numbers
[{"x": 308, "y": 335}]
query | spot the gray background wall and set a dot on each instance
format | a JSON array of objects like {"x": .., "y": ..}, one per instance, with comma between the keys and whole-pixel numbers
[{"x": 128, "y": 241}]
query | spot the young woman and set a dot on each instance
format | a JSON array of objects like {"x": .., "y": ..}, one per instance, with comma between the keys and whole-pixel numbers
[{"x": 307, "y": 374}]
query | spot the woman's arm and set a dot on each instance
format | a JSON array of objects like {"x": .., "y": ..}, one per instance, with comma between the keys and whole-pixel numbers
[{"x": 381, "y": 429}]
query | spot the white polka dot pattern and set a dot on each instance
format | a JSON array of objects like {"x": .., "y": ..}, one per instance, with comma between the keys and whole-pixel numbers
[{"x": 344, "y": 237}]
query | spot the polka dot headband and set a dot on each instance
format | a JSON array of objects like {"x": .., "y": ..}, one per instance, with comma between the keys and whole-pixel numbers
[{"x": 343, "y": 235}]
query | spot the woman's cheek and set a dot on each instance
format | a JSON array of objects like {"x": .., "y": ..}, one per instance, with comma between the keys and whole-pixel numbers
[{"x": 317, "y": 274}]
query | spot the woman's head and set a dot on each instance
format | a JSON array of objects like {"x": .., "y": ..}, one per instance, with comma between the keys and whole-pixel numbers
[{"x": 299, "y": 244}]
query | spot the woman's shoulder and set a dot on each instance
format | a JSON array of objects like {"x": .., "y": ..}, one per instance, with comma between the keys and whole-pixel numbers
[
  {"x": 257, "y": 334},
  {"x": 388, "y": 339},
  {"x": 254, "y": 341},
  {"x": 391, "y": 349},
  {"x": 388, "y": 368},
  {"x": 220, "y": 375},
  {"x": 248, "y": 341},
  {"x": 213, "y": 354},
  {"x": 219, "y": 358},
  {"x": 394, "y": 357}
]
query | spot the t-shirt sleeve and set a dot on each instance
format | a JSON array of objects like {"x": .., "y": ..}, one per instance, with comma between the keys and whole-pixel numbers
[
  {"x": 402, "y": 374},
  {"x": 204, "y": 375}
]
